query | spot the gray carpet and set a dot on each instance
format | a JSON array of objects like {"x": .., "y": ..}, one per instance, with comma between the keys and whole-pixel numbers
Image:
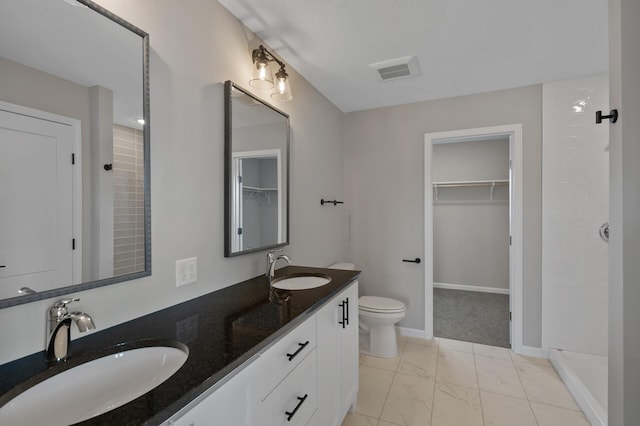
[{"x": 471, "y": 316}]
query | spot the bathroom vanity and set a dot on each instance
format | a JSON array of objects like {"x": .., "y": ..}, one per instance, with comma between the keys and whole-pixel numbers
[
  {"x": 308, "y": 377},
  {"x": 251, "y": 361}
]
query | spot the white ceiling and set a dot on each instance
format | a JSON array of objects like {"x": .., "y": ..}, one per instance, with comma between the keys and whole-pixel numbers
[{"x": 463, "y": 46}]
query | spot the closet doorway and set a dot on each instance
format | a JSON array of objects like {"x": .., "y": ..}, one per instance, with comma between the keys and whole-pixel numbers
[{"x": 473, "y": 234}]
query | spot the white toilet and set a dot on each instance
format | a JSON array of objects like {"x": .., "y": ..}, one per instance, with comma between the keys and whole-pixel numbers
[{"x": 378, "y": 317}]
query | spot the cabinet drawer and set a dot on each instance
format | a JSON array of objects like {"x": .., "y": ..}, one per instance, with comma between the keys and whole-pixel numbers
[
  {"x": 280, "y": 359},
  {"x": 294, "y": 400}
]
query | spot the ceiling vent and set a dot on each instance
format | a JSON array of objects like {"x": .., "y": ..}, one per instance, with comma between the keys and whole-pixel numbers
[{"x": 394, "y": 69}]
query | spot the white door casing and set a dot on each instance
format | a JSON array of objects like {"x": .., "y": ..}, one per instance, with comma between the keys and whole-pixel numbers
[
  {"x": 237, "y": 240},
  {"x": 514, "y": 133}
]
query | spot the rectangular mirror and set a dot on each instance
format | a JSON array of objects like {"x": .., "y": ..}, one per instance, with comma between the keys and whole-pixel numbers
[
  {"x": 74, "y": 149},
  {"x": 256, "y": 174}
]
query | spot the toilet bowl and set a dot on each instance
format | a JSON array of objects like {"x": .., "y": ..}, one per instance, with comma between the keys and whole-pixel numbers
[{"x": 378, "y": 317}]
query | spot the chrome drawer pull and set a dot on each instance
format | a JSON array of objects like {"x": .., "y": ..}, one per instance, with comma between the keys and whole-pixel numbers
[
  {"x": 301, "y": 347},
  {"x": 300, "y": 402}
]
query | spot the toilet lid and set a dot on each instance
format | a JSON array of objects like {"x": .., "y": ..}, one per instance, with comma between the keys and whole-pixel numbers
[{"x": 375, "y": 303}]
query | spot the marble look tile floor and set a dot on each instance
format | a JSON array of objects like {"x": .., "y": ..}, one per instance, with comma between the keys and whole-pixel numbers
[{"x": 444, "y": 382}]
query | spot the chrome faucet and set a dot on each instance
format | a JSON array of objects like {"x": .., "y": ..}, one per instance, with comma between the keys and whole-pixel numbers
[
  {"x": 59, "y": 328},
  {"x": 272, "y": 259}
]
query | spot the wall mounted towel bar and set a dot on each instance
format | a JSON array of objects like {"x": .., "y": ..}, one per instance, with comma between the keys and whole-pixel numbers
[{"x": 334, "y": 202}]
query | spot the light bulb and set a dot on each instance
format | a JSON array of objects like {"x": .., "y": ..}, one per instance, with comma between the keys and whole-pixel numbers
[
  {"x": 262, "y": 71},
  {"x": 282, "y": 85}
]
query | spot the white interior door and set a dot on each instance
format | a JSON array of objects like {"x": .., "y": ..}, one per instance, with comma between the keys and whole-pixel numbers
[
  {"x": 575, "y": 189},
  {"x": 36, "y": 220}
]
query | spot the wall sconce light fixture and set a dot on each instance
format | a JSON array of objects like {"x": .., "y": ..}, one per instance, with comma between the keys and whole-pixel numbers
[{"x": 263, "y": 78}]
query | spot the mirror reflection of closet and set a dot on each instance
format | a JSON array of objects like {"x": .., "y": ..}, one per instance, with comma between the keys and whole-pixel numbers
[
  {"x": 257, "y": 200},
  {"x": 471, "y": 240}
]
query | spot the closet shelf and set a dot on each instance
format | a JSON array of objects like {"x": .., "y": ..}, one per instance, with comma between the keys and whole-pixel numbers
[
  {"x": 491, "y": 184},
  {"x": 257, "y": 189},
  {"x": 260, "y": 193},
  {"x": 470, "y": 183}
]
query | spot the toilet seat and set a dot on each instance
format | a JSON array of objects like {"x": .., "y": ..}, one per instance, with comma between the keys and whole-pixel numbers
[{"x": 376, "y": 304}]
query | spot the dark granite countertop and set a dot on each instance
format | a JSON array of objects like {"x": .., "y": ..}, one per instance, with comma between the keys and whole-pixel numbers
[{"x": 222, "y": 330}]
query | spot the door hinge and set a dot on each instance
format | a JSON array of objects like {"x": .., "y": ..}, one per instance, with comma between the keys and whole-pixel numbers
[
  {"x": 239, "y": 231},
  {"x": 73, "y": 244},
  {"x": 239, "y": 179},
  {"x": 73, "y": 158},
  {"x": 510, "y": 240},
  {"x": 509, "y": 315}
]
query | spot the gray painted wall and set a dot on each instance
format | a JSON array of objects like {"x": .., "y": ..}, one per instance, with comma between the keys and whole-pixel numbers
[
  {"x": 195, "y": 47},
  {"x": 384, "y": 161},
  {"x": 470, "y": 230}
]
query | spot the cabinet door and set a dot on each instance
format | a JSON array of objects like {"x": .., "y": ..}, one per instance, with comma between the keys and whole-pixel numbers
[
  {"x": 350, "y": 353},
  {"x": 229, "y": 405},
  {"x": 337, "y": 352},
  {"x": 329, "y": 364}
]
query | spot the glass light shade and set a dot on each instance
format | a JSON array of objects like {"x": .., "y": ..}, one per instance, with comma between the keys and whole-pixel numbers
[
  {"x": 283, "y": 89},
  {"x": 262, "y": 77}
]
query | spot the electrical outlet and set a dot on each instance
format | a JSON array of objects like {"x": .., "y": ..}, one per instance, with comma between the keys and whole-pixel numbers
[{"x": 186, "y": 271}]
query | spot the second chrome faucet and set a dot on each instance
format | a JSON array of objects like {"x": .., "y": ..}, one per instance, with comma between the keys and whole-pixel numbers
[{"x": 272, "y": 259}]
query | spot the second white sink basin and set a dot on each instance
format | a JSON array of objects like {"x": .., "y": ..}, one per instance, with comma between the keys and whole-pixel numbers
[
  {"x": 303, "y": 281},
  {"x": 93, "y": 388}
]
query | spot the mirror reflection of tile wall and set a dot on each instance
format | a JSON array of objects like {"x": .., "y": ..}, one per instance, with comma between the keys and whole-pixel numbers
[{"x": 128, "y": 200}]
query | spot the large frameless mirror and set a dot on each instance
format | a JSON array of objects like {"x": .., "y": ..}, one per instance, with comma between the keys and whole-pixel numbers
[
  {"x": 74, "y": 149},
  {"x": 256, "y": 173}
]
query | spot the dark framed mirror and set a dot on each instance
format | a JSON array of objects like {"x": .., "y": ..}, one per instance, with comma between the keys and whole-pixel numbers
[
  {"x": 74, "y": 149},
  {"x": 256, "y": 196}
]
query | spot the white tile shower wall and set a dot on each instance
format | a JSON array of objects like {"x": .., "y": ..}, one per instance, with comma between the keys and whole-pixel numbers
[
  {"x": 128, "y": 203},
  {"x": 575, "y": 203}
]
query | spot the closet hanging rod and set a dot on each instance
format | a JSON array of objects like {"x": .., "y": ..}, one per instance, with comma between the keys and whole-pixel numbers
[{"x": 460, "y": 184}]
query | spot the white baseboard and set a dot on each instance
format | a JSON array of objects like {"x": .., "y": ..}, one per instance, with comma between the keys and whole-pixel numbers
[
  {"x": 411, "y": 332},
  {"x": 471, "y": 288},
  {"x": 590, "y": 406},
  {"x": 531, "y": 351}
]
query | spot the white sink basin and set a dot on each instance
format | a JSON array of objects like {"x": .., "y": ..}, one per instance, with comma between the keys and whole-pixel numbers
[
  {"x": 300, "y": 281},
  {"x": 93, "y": 388}
]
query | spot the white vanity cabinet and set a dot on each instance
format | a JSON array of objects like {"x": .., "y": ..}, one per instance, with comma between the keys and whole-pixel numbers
[
  {"x": 227, "y": 405},
  {"x": 338, "y": 357},
  {"x": 308, "y": 377}
]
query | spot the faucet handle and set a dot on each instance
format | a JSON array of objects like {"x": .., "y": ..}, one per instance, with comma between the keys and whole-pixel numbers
[
  {"x": 64, "y": 302},
  {"x": 271, "y": 256}
]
